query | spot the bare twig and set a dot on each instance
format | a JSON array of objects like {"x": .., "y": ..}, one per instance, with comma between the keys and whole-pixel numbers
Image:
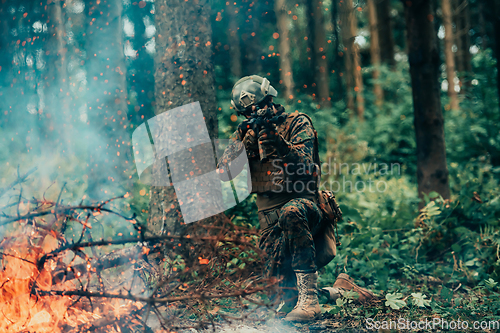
[
  {"x": 13, "y": 256},
  {"x": 66, "y": 210},
  {"x": 19, "y": 180}
]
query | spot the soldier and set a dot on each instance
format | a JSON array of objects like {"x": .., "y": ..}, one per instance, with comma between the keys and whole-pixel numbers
[{"x": 286, "y": 182}]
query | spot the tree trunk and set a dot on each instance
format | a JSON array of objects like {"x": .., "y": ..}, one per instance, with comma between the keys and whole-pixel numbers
[
  {"x": 61, "y": 50},
  {"x": 496, "y": 25},
  {"x": 310, "y": 31},
  {"x": 319, "y": 53},
  {"x": 61, "y": 79},
  {"x": 6, "y": 67},
  {"x": 286, "y": 74},
  {"x": 466, "y": 56},
  {"x": 458, "y": 40},
  {"x": 464, "y": 66},
  {"x": 482, "y": 25},
  {"x": 375, "y": 51},
  {"x": 346, "y": 14},
  {"x": 316, "y": 52},
  {"x": 358, "y": 79},
  {"x": 184, "y": 74},
  {"x": 354, "y": 81},
  {"x": 337, "y": 61},
  {"x": 450, "y": 60},
  {"x": 56, "y": 83},
  {"x": 140, "y": 82},
  {"x": 252, "y": 45},
  {"x": 234, "y": 42},
  {"x": 432, "y": 171},
  {"x": 386, "y": 37},
  {"x": 107, "y": 137}
]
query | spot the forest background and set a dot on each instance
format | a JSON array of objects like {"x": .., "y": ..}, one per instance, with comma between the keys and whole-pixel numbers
[{"x": 78, "y": 77}]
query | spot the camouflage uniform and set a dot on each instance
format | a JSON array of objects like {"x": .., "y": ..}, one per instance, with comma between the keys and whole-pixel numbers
[
  {"x": 288, "y": 215},
  {"x": 289, "y": 243}
]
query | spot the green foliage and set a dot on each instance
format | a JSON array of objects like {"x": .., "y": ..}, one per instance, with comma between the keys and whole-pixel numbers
[
  {"x": 394, "y": 301},
  {"x": 390, "y": 246},
  {"x": 420, "y": 300},
  {"x": 386, "y": 241}
]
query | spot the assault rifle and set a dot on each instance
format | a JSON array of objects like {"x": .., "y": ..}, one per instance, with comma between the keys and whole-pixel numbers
[{"x": 262, "y": 118}]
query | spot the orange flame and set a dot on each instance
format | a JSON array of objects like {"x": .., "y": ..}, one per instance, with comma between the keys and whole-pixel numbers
[{"x": 22, "y": 310}]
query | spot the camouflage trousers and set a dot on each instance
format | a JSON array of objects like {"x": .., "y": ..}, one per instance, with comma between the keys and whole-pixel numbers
[{"x": 289, "y": 242}]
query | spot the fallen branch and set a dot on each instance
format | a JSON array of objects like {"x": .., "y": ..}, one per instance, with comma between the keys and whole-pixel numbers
[
  {"x": 110, "y": 260},
  {"x": 151, "y": 239},
  {"x": 158, "y": 300},
  {"x": 64, "y": 210}
]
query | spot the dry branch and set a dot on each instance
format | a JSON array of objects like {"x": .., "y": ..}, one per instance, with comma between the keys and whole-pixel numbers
[
  {"x": 159, "y": 300},
  {"x": 110, "y": 260}
]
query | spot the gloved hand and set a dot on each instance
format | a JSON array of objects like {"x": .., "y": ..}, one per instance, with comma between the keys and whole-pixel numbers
[
  {"x": 271, "y": 141},
  {"x": 250, "y": 142}
]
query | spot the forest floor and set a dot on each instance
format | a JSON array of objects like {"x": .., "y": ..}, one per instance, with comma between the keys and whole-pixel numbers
[
  {"x": 455, "y": 303},
  {"x": 280, "y": 326},
  {"x": 276, "y": 324},
  {"x": 325, "y": 324},
  {"x": 373, "y": 316}
]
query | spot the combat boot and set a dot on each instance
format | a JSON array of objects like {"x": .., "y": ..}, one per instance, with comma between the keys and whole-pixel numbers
[
  {"x": 307, "y": 307},
  {"x": 343, "y": 284}
]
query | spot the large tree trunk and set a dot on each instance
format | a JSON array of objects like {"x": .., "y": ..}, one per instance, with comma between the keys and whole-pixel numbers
[
  {"x": 385, "y": 33},
  {"x": 375, "y": 51},
  {"x": 107, "y": 138},
  {"x": 432, "y": 171},
  {"x": 234, "y": 41},
  {"x": 184, "y": 74},
  {"x": 450, "y": 60},
  {"x": 286, "y": 73}
]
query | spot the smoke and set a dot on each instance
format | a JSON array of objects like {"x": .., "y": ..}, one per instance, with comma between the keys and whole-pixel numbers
[{"x": 63, "y": 103}]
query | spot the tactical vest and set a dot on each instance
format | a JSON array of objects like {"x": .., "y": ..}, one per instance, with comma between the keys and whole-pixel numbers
[{"x": 272, "y": 177}]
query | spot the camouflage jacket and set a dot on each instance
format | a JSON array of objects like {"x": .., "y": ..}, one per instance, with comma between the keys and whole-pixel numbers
[{"x": 286, "y": 172}]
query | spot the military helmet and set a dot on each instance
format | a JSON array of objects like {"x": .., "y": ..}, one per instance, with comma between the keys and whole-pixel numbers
[{"x": 250, "y": 90}]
